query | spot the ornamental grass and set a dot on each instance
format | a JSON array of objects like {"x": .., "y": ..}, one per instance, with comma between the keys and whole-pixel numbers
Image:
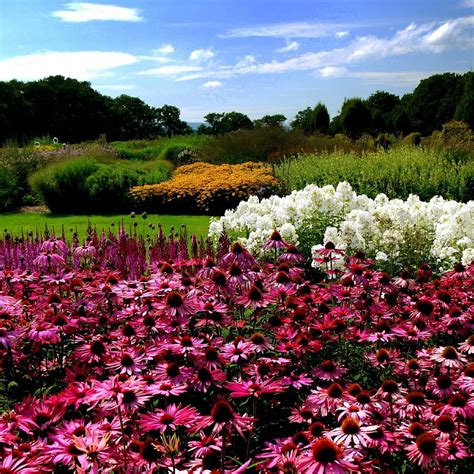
[{"x": 206, "y": 188}]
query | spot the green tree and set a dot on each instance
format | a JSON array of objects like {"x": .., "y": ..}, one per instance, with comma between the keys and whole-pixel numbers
[
  {"x": 465, "y": 107},
  {"x": 168, "y": 121},
  {"x": 226, "y": 122},
  {"x": 356, "y": 118},
  {"x": 304, "y": 121},
  {"x": 276, "y": 120},
  {"x": 321, "y": 118},
  {"x": 134, "y": 119}
]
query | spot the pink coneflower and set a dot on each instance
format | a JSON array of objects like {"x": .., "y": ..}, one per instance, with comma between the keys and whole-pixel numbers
[
  {"x": 204, "y": 378},
  {"x": 351, "y": 433},
  {"x": 446, "y": 428},
  {"x": 297, "y": 381},
  {"x": 427, "y": 450},
  {"x": 459, "y": 405},
  {"x": 167, "y": 389},
  {"x": 128, "y": 362},
  {"x": 85, "y": 251},
  {"x": 255, "y": 388},
  {"x": 237, "y": 351},
  {"x": 223, "y": 416},
  {"x": 457, "y": 450},
  {"x": 240, "y": 256},
  {"x": 384, "y": 357},
  {"x": 96, "y": 450},
  {"x": 65, "y": 451},
  {"x": 255, "y": 298},
  {"x": 412, "y": 406},
  {"x": 441, "y": 387},
  {"x": 275, "y": 242},
  {"x": 93, "y": 351},
  {"x": 49, "y": 261},
  {"x": 412, "y": 333},
  {"x": 467, "y": 347},
  {"x": 327, "y": 400},
  {"x": 11, "y": 465},
  {"x": 177, "y": 306},
  {"x": 448, "y": 357},
  {"x": 169, "y": 418},
  {"x": 329, "y": 370},
  {"x": 326, "y": 457},
  {"x": 384, "y": 441},
  {"x": 205, "y": 444},
  {"x": 350, "y": 410},
  {"x": 172, "y": 371},
  {"x": 292, "y": 255}
]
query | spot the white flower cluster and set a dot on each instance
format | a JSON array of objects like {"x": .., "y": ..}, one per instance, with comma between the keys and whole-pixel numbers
[{"x": 393, "y": 230}]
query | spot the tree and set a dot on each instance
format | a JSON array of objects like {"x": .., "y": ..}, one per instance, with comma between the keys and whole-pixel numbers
[
  {"x": 134, "y": 119},
  {"x": 402, "y": 123},
  {"x": 434, "y": 101},
  {"x": 227, "y": 122},
  {"x": 168, "y": 121},
  {"x": 276, "y": 120},
  {"x": 356, "y": 118},
  {"x": 321, "y": 118},
  {"x": 304, "y": 121},
  {"x": 465, "y": 107}
]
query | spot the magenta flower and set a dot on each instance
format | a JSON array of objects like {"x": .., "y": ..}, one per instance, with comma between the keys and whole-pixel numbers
[{"x": 169, "y": 418}]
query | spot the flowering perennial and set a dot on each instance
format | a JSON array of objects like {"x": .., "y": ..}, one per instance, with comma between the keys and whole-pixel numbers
[
  {"x": 397, "y": 233},
  {"x": 206, "y": 188},
  {"x": 226, "y": 365}
]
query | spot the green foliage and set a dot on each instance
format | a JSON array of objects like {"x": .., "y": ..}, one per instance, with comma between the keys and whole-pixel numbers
[
  {"x": 413, "y": 139},
  {"x": 157, "y": 149},
  {"x": 321, "y": 118},
  {"x": 465, "y": 107},
  {"x": 92, "y": 184},
  {"x": 276, "y": 120},
  {"x": 356, "y": 118},
  {"x": 15, "y": 167},
  {"x": 397, "y": 172},
  {"x": 227, "y": 122},
  {"x": 312, "y": 120}
]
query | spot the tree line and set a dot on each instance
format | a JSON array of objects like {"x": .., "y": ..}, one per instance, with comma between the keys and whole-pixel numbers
[{"x": 73, "y": 111}]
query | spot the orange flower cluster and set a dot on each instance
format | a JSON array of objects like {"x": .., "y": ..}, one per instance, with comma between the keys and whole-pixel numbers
[{"x": 206, "y": 188}]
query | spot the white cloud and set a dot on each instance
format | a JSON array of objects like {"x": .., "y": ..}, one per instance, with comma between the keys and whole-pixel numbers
[
  {"x": 173, "y": 70},
  {"x": 293, "y": 46},
  {"x": 341, "y": 34},
  {"x": 199, "y": 55},
  {"x": 332, "y": 71},
  {"x": 425, "y": 38},
  {"x": 212, "y": 84},
  {"x": 467, "y": 4},
  {"x": 81, "y": 65},
  {"x": 246, "y": 61},
  {"x": 284, "y": 30},
  {"x": 164, "y": 49},
  {"x": 80, "y": 12}
]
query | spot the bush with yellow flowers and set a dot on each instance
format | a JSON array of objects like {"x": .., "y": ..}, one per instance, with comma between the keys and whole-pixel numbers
[{"x": 206, "y": 189}]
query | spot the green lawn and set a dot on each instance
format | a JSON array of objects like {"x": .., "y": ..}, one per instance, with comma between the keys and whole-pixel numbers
[{"x": 16, "y": 223}]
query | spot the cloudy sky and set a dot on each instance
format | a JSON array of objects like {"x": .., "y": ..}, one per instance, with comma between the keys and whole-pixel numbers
[{"x": 253, "y": 56}]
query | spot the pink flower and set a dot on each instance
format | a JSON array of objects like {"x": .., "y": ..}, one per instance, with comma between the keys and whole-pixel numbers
[
  {"x": 251, "y": 388},
  {"x": 352, "y": 433},
  {"x": 427, "y": 451},
  {"x": 169, "y": 418},
  {"x": 275, "y": 242}
]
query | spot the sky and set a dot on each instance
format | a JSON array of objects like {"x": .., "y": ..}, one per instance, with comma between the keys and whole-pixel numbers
[{"x": 253, "y": 56}]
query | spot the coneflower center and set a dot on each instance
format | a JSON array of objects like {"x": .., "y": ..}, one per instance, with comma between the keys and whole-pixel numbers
[
  {"x": 350, "y": 426},
  {"x": 325, "y": 451},
  {"x": 426, "y": 443}
]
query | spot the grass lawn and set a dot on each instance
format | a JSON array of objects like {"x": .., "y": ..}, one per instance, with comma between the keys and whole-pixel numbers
[{"x": 16, "y": 223}]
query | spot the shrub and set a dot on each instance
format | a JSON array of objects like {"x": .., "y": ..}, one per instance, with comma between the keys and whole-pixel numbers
[
  {"x": 206, "y": 188},
  {"x": 94, "y": 184},
  {"x": 413, "y": 139}
]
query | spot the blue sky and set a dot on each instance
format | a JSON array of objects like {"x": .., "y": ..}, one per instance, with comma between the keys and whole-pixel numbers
[{"x": 254, "y": 56}]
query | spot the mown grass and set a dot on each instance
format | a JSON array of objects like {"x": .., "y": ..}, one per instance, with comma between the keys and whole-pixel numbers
[
  {"x": 17, "y": 223},
  {"x": 397, "y": 172}
]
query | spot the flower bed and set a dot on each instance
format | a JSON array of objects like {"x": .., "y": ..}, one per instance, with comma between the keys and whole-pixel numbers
[
  {"x": 398, "y": 233},
  {"x": 205, "y": 188},
  {"x": 227, "y": 365}
]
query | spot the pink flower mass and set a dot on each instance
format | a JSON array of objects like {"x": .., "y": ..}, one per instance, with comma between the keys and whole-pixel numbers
[{"x": 220, "y": 363}]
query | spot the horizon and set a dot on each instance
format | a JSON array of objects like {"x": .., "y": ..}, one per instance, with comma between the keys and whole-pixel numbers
[{"x": 252, "y": 57}]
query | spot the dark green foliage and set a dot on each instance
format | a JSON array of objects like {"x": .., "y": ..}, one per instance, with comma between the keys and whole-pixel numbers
[
  {"x": 226, "y": 122},
  {"x": 356, "y": 118},
  {"x": 401, "y": 122},
  {"x": 93, "y": 184},
  {"x": 276, "y": 120},
  {"x": 465, "y": 107},
  {"x": 9, "y": 196},
  {"x": 168, "y": 120},
  {"x": 434, "y": 101},
  {"x": 311, "y": 120},
  {"x": 321, "y": 118}
]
